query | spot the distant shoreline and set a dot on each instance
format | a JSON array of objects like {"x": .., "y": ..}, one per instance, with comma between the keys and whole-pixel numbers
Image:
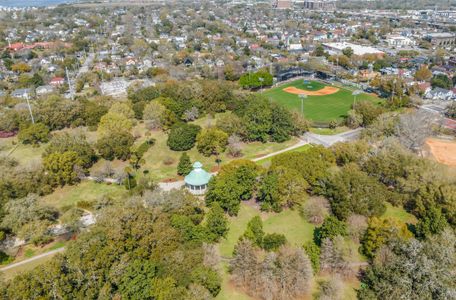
[{"x": 33, "y": 3}]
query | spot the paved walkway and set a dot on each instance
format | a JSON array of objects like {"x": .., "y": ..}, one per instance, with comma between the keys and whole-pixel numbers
[
  {"x": 308, "y": 138},
  {"x": 32, "y": 259}
]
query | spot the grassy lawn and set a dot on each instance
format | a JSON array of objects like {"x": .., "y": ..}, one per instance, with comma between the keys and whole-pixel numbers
[
  {"x": 329, "y": 131},
  {"x": 24, "y": 154},
  {"x": 161, "y": 162},
  {"x": 400, "y": 214},
  {"x": 85, "y": 191},
  {"x": 266, "y": 162},
  {"x": 317, "y": 108},
  {"x": 288, "y": 222}
]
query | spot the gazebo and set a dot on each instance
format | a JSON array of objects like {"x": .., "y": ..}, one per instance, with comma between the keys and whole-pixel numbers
[{"x": 197, "y": 180}]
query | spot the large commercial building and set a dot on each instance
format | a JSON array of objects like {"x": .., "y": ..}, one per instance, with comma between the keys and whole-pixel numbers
[
  {"x": 327, "y": 5},
  {"x": 337, "y": 48},
  {"x": 442, "y": 39},
  {"x": 399, "y": 41}
]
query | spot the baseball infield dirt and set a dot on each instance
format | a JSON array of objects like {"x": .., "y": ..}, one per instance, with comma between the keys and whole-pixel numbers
[
  {"x": 443, "y": 151},
  {"x": 327, "y": 90}
]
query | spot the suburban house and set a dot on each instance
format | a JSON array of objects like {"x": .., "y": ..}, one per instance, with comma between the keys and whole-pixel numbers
[
  {"x": 56, "y": 81},
  {"x": 43, "y": 90},
  {"x": 22, "y": 93},
  {"x": 439, "y": 94}
]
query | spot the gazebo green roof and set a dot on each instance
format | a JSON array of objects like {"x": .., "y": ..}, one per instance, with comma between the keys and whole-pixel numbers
[{"x": 198, "y": 176}]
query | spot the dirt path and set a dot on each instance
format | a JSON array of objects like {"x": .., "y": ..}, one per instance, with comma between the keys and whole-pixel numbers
[{"x": 32, "y": 259}]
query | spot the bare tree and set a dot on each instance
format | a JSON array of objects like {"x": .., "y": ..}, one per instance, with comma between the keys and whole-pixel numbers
[
  {"x": 332, "y": 258},
  {"x": 357, "y": 225},
  {"x": 414, "y": 128},
  {"x": 234, "y": 146},
  {"x": 331, "y": 289},
  {"x": 191, "y": 114},
  {"x": 315, "y": 210},
  {"x": 282, "y": 275}
]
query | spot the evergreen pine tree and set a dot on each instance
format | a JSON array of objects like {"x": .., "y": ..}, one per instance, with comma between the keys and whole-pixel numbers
[{"x": 185, "y": 165}]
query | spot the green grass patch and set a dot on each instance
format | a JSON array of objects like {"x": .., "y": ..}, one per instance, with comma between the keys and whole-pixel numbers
[
  {"x": 400, "y": 214},
  {"x": 85, "y": 191},
  {"x": 317, "y": 108},
  {"x": 291, "y": 224},
  {"x": 161, "y": 162},
  {"x": 266, "y": 162},
  {"x": 329, "y": 131},
  {"x": 57, "y": 245},
  {"x": 29, "y": 253}
]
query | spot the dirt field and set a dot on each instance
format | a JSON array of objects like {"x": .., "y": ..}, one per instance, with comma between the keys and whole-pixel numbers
[
  {"x": 327, "y": 90},
  {"x": 443, "y": 151}
]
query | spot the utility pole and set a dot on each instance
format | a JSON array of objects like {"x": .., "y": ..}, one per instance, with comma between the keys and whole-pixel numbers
[
  {"x": 70, "y": 84},
  {"x": 302, "y": 97},
  {"x": 29, "y": 108}
]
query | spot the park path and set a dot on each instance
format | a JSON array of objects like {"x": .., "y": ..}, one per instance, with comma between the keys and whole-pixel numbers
[
  {"x": 11, "y": 266},
  {"x": 308, "y": 138}
]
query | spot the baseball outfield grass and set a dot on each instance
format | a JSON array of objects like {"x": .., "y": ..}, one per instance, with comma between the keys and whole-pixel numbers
[{"x": 321, "y": 108}]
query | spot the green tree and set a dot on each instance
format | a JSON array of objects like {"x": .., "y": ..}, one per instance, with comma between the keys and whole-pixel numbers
[
  {"x": 208, "y": 278},
  {"x": 352, "y": 191},
  {"x": 123, "y": 109},
  {"x": 380, "y": 231},
  {"x": 211, "y": 141},
  {"x": 348, "y": 52},
  {"x": 432, "y": 222},
  {"x": 33, "y": 134},
  {"x": 423, "y": 74},
  {"x": 254, "y": 231},
  {"x": 216, "y": 222},
  {"x": 116, "y": 145},
  {"x": 78, "y": 143},
  {"x": 273, "y": 241},
  {"x": 282, "y": 187},
  {"x": 185, "y": 165},
  {"x": 61, "y": 167},
  {"x": 282, "y": 126},
  {"x": 182, "y": 137},
  {"x": 234, "y": 183},
  {"x": 113, "y": 123},
  {"x": 313, "y": 165},
  {"x": 258, "y": 120},
  {"x": 441, "y": 81},
  {"x": 136, "y": 279},
  {"x": 313, "y": 251},
  {"x": 368, "y": 110},
  {"x": 330, "y": 228}
]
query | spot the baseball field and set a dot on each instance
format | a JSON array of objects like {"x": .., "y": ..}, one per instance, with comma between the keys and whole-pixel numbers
[{"x": 322, "y": 102}]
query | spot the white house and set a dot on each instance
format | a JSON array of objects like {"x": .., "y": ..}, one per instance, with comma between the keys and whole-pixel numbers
[
  {"x": 399, "y": 41},
  {"x": 43, "y": 90},
  {"x": 439, "y": 94}
]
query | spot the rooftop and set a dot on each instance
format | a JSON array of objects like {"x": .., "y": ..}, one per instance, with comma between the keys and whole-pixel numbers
[{"x": 198, "y": 176}]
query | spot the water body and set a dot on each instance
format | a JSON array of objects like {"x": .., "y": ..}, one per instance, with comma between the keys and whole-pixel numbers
[{"x": 36, "y": 3}]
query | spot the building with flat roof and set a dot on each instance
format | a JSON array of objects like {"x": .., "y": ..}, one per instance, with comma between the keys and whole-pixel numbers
[
  {"x": 316, "y": 4},
  {"x": 337, "y": 48},
  {"x": 399, "y": 41},
  {"x": 441, "y": 39}
]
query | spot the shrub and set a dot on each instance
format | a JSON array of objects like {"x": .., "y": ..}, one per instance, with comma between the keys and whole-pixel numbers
[
  {"x": 34, "y": 134},
  {"x": 273, "y": 241}
]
